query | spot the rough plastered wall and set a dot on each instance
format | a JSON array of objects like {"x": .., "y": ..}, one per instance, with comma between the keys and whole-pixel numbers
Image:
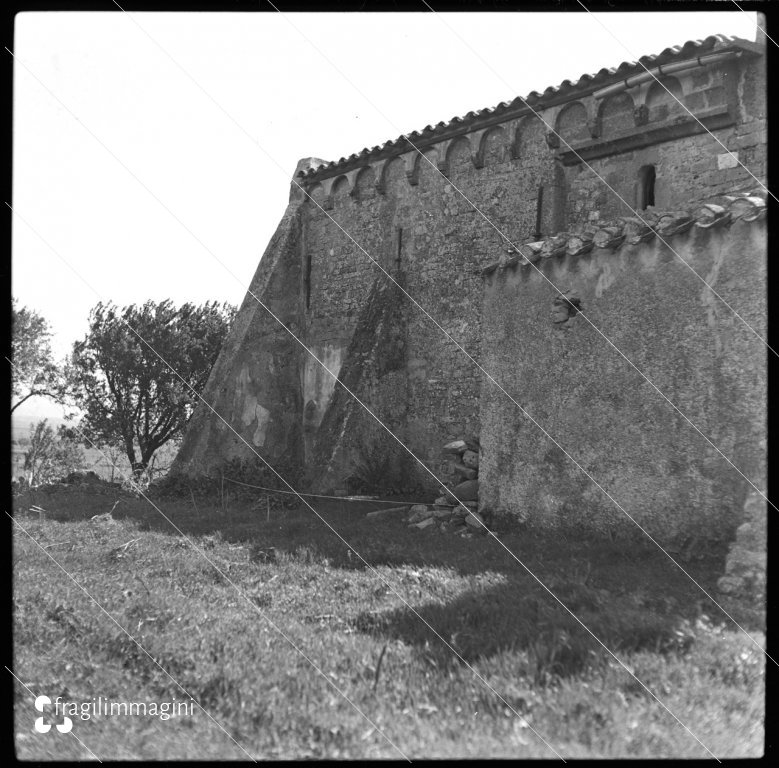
[
  {"x": 253, "y": 385},
  {"x": 603, "y": 413}
]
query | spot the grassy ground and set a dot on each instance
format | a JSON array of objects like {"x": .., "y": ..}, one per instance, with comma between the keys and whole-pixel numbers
[{"x": 528, "y": 673}]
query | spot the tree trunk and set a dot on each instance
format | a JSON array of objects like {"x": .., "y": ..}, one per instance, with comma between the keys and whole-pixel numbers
[
  {"x": 137, "y": 466},
  {"x": 147, "y": 456}
]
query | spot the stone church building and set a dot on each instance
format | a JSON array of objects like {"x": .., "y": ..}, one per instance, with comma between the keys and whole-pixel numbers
[{"x": 512, "y": 237}]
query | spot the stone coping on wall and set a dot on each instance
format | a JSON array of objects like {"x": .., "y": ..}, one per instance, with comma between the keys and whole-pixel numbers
[
  {"x": 534, "y": 101},
  {"x": 722, "y": 210}
]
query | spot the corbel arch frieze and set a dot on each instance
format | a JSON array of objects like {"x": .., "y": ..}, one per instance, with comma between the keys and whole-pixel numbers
[
  {"x": 616, "y": 113},
  {"x": 351, "y": 179},
  {"x": 548, "y": 119},
  {"x": 381, "y": 167},
  {"x": 640, "y": 94},
  {"x": 411, "y": 166},
  {"x": 312, "y": 192},
  {"x": 640, "y": 110},
  {"x": 443, "y": 156},
  {"x": 327, "y": 192},
  {"x": 477, "y": 140},
  {"x": 588, "y": 123},
  {"x": 502, "y": 129},
  {"x": 329, "y": 184}
]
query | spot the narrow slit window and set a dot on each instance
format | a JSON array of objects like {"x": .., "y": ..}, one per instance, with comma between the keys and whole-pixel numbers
[
  {"x": 399, "y": 251},
  {"x": 539, "y": 212},
  {"x": 646, "y": 186}
]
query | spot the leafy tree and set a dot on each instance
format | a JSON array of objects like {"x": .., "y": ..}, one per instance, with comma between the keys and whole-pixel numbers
[
  {"x": 51, "y": 456},
  {"x": 113, "y": 456},
  {"x": 34, "y": 372},
  {"x": 127, "y": 390}
]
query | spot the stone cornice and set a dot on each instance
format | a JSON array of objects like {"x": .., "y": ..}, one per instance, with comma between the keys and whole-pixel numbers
[{"x": 704, "y": 120}]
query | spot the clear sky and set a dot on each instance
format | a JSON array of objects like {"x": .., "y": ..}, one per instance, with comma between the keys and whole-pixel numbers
[{"x": 300, "y": 85}]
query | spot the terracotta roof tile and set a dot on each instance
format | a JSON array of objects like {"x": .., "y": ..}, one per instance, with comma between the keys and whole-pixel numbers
[
  {"x": 567, "y": 87},
  {"x": 721, "y": 210}
]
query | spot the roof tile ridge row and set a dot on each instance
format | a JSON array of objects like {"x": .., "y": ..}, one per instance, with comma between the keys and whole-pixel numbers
[
  {"x": 632, "y": 230},
  {"x": 585, "y": 80}
]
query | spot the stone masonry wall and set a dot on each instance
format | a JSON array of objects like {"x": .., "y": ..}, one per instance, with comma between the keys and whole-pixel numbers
[
  {"x": 745, "y": 568},
  {"x": 426, "y": 235},
  {"x": 420, "y": 226},
  {"x": 690, "y": 168}
]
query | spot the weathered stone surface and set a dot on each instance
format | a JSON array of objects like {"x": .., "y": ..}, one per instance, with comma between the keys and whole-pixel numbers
[
  {"x": 456, "y": 446},
  {"x": 423, "y": 524},
  {"x": 471, "y": 460},
  {"x": 645, "y": 455},
  {"x": 423, "y": 514},
  {"x": 745, "y": 569},
  {"x": 729, "y": 585},
  {"x": 466, "y": 472},
  {"x": 442, "y": 500},
  {"x": 474, "y": 521},
  {"x": 467, "y": 491},
  {"x": 418, "y": 508},
  {"x": 743, "y": 560},
  {"x": 442, "y": 514}
]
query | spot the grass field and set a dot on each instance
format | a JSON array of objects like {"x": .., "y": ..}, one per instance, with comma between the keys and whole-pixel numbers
[{"x": 530, "y": 682}]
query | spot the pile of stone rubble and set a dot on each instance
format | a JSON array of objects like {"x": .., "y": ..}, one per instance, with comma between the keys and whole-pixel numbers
[
  {"x": 455, "y": 509},
  {"x": 745, "y": 567}
]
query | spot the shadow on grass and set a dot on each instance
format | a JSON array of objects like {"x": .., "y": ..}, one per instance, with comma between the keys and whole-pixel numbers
[
  {"x": 628, "y": 593},
  {"x": 518, "y": 616}
]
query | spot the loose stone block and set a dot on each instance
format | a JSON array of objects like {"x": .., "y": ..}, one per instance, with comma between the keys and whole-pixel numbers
[
  {"x": 471, "y": 460},
  {"x": 467, "y": 491},
  {"x": 466, "y": 472},
  {"x": 474, "y": 521}
]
